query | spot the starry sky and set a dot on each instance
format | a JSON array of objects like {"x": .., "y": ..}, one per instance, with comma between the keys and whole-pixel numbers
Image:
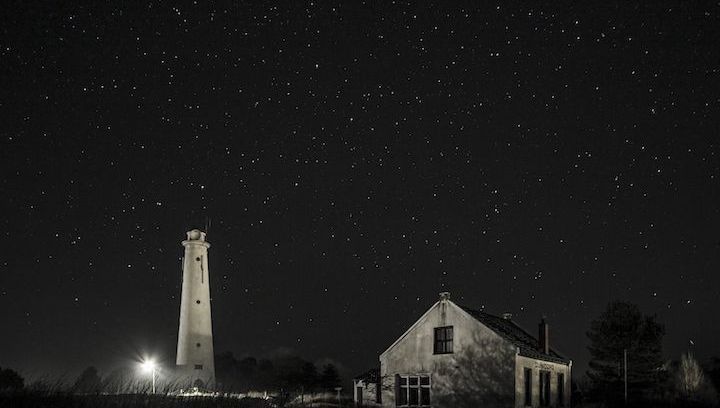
[{"x": 353, "y": 159}]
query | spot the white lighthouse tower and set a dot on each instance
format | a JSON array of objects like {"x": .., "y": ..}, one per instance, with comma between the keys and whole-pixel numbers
[{"x": 195, "y": 359}]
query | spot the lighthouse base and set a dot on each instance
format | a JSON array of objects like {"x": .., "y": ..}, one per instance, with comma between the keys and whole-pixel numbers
[{"x": 188, "y": 376}]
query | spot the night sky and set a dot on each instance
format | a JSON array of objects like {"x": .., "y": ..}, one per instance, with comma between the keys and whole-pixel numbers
[{"x": 353, "y": 160}]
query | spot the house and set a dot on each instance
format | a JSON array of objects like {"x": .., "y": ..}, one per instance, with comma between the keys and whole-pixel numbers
[{"x": 454, "y": 356}]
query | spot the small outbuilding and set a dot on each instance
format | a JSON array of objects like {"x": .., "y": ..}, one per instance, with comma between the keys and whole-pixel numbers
[{"x": 366, "y": 392}]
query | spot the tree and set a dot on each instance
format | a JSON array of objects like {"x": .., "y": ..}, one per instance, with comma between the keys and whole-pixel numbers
[
  {"x": 226, "y": 371},
  {"x": 622, "y": 327},
  {"x": 329, "y": 379},
  {"x": 88, "y": 382},
  {"x": 309, "y": 376},
  {"x": 691, "y": 384},
  {"x": 10, "y": 380},
  {"x": 290, "y": 372},
  {"x": 712, "y": 369},
  {"x": 690, "y": 377},
  {"x": 266, "y": 375},
  {"x": 247, "y": 371}
]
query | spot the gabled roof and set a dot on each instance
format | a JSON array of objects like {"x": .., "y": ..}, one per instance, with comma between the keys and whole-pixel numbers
[
  {"x": 507, "y": 329},
  {"x": 417, "y": 322}
]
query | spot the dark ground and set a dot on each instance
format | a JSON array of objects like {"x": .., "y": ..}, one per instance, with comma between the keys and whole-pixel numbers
[{"x": 59, "y": 400}]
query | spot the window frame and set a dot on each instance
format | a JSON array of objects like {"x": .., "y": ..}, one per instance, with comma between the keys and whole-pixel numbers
[
  {"x": 544, "y": 387},
  {"x": 528, "y": 386},
  {"x": 443, "y": 345},
  {"x": 406, "y": 390},
  {"x": 561, "y": 389}
]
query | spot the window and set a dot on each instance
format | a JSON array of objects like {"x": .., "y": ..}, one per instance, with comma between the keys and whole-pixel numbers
[
  {"x": 402, "y": 392},
  {"x": 528, "y": 387},
  {"x": 414, "y": 398},
  {"x": 443, "y": 340},
  {"x": 424, "y": 390},
  {"x": 413, "y": 391},
  {"x": 561, "y": 389},
  {"x": 544, "y": 388},
  {"x": 202, "y": 270},
  {"x": 197, "y": 344},
  {"x": 198, "y": 366}
]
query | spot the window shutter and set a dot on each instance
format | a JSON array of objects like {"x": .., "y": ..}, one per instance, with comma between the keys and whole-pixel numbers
[
  {"x": 378, "y": 390},
  {"x": 397, "y": 388}
]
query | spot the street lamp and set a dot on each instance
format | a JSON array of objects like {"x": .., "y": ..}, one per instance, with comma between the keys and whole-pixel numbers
[
  {"x": 338, "y": 389},
  {"x": 151, "y": 367}
]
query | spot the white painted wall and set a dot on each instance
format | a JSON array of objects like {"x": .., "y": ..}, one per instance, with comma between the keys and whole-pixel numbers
[
  {"x": 412, "y": 353},
  {"x": 195, "y": 343}
]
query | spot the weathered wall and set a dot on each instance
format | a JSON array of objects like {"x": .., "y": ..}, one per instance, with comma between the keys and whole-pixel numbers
[
  {"x": 536, "y": 366},
  {"x": 413, "y": 352}
]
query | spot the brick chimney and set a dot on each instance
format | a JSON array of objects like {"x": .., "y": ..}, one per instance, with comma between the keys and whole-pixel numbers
[{"x": 544, "y": 336}]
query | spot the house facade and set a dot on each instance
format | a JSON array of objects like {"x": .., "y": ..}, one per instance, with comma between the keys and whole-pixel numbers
[{"x": 455, "y": 356}]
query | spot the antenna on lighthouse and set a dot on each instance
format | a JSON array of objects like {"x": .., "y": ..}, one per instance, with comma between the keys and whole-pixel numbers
[{"x": 208, "y": 222}]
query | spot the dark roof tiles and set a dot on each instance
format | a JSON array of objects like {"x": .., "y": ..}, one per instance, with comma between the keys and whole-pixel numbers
[
  {"x": 506, "y": 328},
  {"x": 369, "y": 376}
]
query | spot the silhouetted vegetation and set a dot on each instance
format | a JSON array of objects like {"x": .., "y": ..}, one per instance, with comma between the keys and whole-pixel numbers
[
  {"x": 121, "y": 381},
  {"x": 712, "y": 370},
  {"x": 286, "y": 374},
  {"x": 247, "y": 383},
  {"x": 329, "y": 379},
  {"x": 622, "y": 327},
  {"x": 121, "y": 388},
  {"x": 88, "y": 383},
  {"x": 68, "y": 400},
  {"x": 691, "y": 386},
  {"x": 10, "y": 380}
]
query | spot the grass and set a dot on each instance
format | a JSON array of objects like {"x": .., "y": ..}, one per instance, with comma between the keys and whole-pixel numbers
[
  {"x": 43, "y": 394},
  {"x": 28, "y": 399}
]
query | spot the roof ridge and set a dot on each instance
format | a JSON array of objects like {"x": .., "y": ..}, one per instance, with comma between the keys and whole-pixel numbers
[{"x": 514, "y": 338}]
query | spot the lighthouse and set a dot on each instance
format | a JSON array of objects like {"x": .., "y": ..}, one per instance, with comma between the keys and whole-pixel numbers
[{"x": 195, "y": 359}]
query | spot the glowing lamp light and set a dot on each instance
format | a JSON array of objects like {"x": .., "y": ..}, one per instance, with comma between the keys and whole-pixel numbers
[{"x": 149, "y": 366}]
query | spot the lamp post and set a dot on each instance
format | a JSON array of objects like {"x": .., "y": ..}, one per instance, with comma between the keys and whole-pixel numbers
[
  {"x": 625, "y": 372},
  {"x": 150, "y": 366}
]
